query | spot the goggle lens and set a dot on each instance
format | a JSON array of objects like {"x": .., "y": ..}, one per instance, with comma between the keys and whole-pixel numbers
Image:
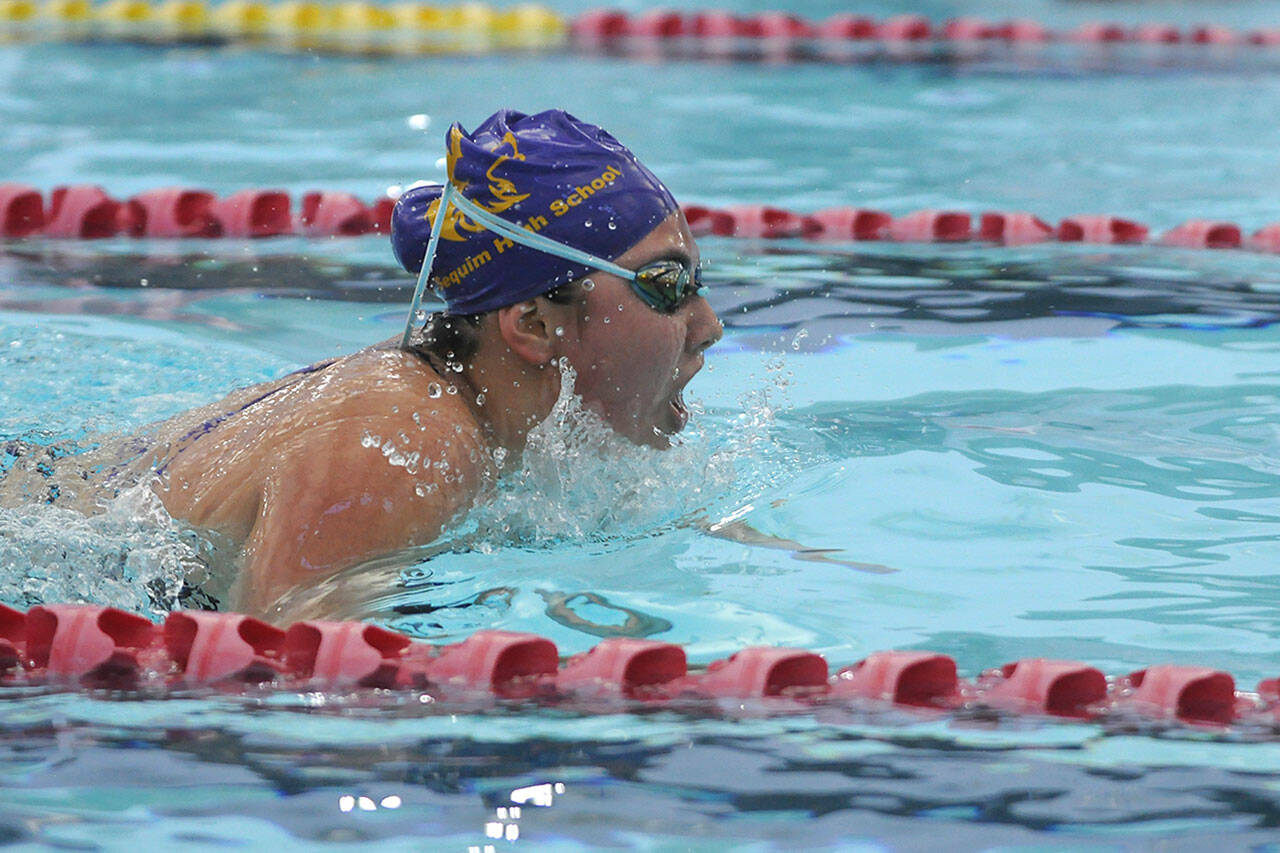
[{"x": 665, "y": 285}]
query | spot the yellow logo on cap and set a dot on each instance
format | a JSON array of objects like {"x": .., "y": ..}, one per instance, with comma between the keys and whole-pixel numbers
[{"x": 501, "y": 190}]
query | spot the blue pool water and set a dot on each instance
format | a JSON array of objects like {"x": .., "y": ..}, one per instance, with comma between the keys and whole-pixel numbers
[{"x": 1059, "y": 451}]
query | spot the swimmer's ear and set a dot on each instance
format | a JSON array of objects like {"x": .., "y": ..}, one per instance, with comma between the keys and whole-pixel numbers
[{"x": 526, "y": 331}]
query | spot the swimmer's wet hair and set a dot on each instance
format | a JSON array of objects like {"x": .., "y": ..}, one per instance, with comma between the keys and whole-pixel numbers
[{"x": 454, "y": 338}]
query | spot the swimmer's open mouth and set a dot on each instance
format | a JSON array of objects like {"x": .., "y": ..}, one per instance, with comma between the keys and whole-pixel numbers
[{"x": 682, "y": 411}]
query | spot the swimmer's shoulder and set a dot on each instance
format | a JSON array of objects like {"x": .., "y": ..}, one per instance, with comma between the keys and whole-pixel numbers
[
  {"x": 378, "y": 406},
  {"x": 339, "y": 429}
]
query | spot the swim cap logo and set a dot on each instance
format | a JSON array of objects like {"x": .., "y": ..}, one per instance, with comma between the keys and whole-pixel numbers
[{"x": 502, "y": 191}]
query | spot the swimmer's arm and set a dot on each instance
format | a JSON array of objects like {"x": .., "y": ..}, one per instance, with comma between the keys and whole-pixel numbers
[
  {"x": 330, "y": 503},
  {"x": 743, "y": 533}
]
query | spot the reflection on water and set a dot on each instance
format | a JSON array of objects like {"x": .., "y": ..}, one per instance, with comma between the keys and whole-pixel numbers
[
  {"x": 846, "y": 289},
  {"x": 1201, "y": 444},
  {"x": 825, "y": 789}
]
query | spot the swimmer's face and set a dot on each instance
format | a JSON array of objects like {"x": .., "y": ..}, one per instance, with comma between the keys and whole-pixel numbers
[{"x": 633, "y": 361}]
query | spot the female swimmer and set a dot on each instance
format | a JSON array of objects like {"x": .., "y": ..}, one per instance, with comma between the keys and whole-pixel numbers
[{"x": 551, "y": 245}]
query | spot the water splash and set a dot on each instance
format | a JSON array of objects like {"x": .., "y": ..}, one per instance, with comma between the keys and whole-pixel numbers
[
  {"x": 579, "y": 481},
  {"x": 132, "y": 555}
]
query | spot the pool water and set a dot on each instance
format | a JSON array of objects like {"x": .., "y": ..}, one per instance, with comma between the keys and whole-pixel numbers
[{"x": 1048, "y": 451}]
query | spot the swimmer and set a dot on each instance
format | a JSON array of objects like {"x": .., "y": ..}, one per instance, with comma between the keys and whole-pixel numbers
[{"x": 552, "y": 246}]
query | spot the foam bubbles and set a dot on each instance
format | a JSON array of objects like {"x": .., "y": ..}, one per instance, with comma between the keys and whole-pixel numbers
[
  {"x": 578, "y": 480},
  {"x": 131, "y": 556}
]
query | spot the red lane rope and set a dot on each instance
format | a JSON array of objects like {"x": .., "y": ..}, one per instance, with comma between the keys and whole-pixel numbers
[
  {"x": 87, "y": 212},
  {"x": 91, "y": 647},
  {"x": 608, "y": 24}
]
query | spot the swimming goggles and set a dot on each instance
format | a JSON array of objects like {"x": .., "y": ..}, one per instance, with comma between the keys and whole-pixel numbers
[{"x": 663, "y": 285}]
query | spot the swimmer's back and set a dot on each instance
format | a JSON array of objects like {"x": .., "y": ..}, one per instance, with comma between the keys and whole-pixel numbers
[{"x": 365, "y": 455}]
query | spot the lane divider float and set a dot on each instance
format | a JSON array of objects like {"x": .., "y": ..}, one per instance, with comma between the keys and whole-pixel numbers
[
  {"x": 85, "y": 211},
  {"x": 844, "y": 26},
  {"x": 74, "y": 647},
  {"x": 350, "y": 25},
  {"x": 418, "y": 27}
]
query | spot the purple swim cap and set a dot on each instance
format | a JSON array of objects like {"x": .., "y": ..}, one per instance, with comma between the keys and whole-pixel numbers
[{"x": 550, "y": 173}]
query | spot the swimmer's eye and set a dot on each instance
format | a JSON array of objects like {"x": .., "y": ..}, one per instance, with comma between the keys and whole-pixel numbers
[{"x": 665, "y": 285}]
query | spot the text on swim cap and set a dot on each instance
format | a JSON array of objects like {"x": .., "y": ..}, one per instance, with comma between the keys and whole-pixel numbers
[
  {"x": 580, "y": 194},
  {"x": 558, "y": 207}
]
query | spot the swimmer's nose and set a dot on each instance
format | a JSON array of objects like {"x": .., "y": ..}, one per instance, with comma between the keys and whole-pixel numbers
[{"x": 704, "y": 327}]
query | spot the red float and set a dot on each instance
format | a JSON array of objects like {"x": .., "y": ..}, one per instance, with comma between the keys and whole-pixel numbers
[
  {"x": 333, "y": 214},
  {"x": 707, "y": 220},
  {"x": 968, "y": 29},
  {"x": 209, "y": 648},
  {"x": 931, "y": 226},
  {"x": 504, "y": 662},
  {"x": 1190, "y": 693},
  {"x": 1013, "y": 228},
  {"x": 83, "y": 212},
  {"x": 1096, "y": 32},
  {"x": 13, "y": 637},
  {"x": 762, "y": 671},
  {"x": 658, "y": 23},
  {"x": 847, "y": 27},
  {"x": 904, "y": 28},
  {"x": 758, "y": 221},
  {"x": 849, "y": 223},
  {"x": 600, "y": 24},
  {"x": 1023, "y": 31},
  {"x": 717, "y": 24},
  {"x": 1157, "y": 34},
  {"x": 1213, "y": 35},
  {"x": 21, "y": 210},
  {"x": 169, "y": 212},
  {"x": 623, "y": 665},
  {"x": 1036, "y": 685},
  {"x": 779, "y": 25},
  {"x": 344, "y": 654},
  {"x": 1100, "y": 229},
  {"x": 1266, "y": 238},
  {"x": 904, "y": 678},
  {"x": 1204, "y": 234},
  {"x": 87, "y": 645},
  {"x": 254, "y": 213}
]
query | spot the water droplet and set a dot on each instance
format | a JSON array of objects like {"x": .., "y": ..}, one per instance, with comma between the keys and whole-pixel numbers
[
  {"x": 370, "y": 440},
  {"x": 434, "y": 390},
  {"x": 559, "y": 331},
  {"x": 588, "y": 284},
  {"x": 613, "y": 226},
  {"x": 452, "y": 390},
  {"x": 420, "y": 316},
  {"x": 480, "y": 399},
  {"x": 606, "y": 319},
  {"x": 586, "y": 224}
]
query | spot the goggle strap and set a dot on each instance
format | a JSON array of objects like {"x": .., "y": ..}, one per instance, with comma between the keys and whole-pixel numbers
[
  {"x": 537, "y": 241},
  {"x": 436, "y": 227}
]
